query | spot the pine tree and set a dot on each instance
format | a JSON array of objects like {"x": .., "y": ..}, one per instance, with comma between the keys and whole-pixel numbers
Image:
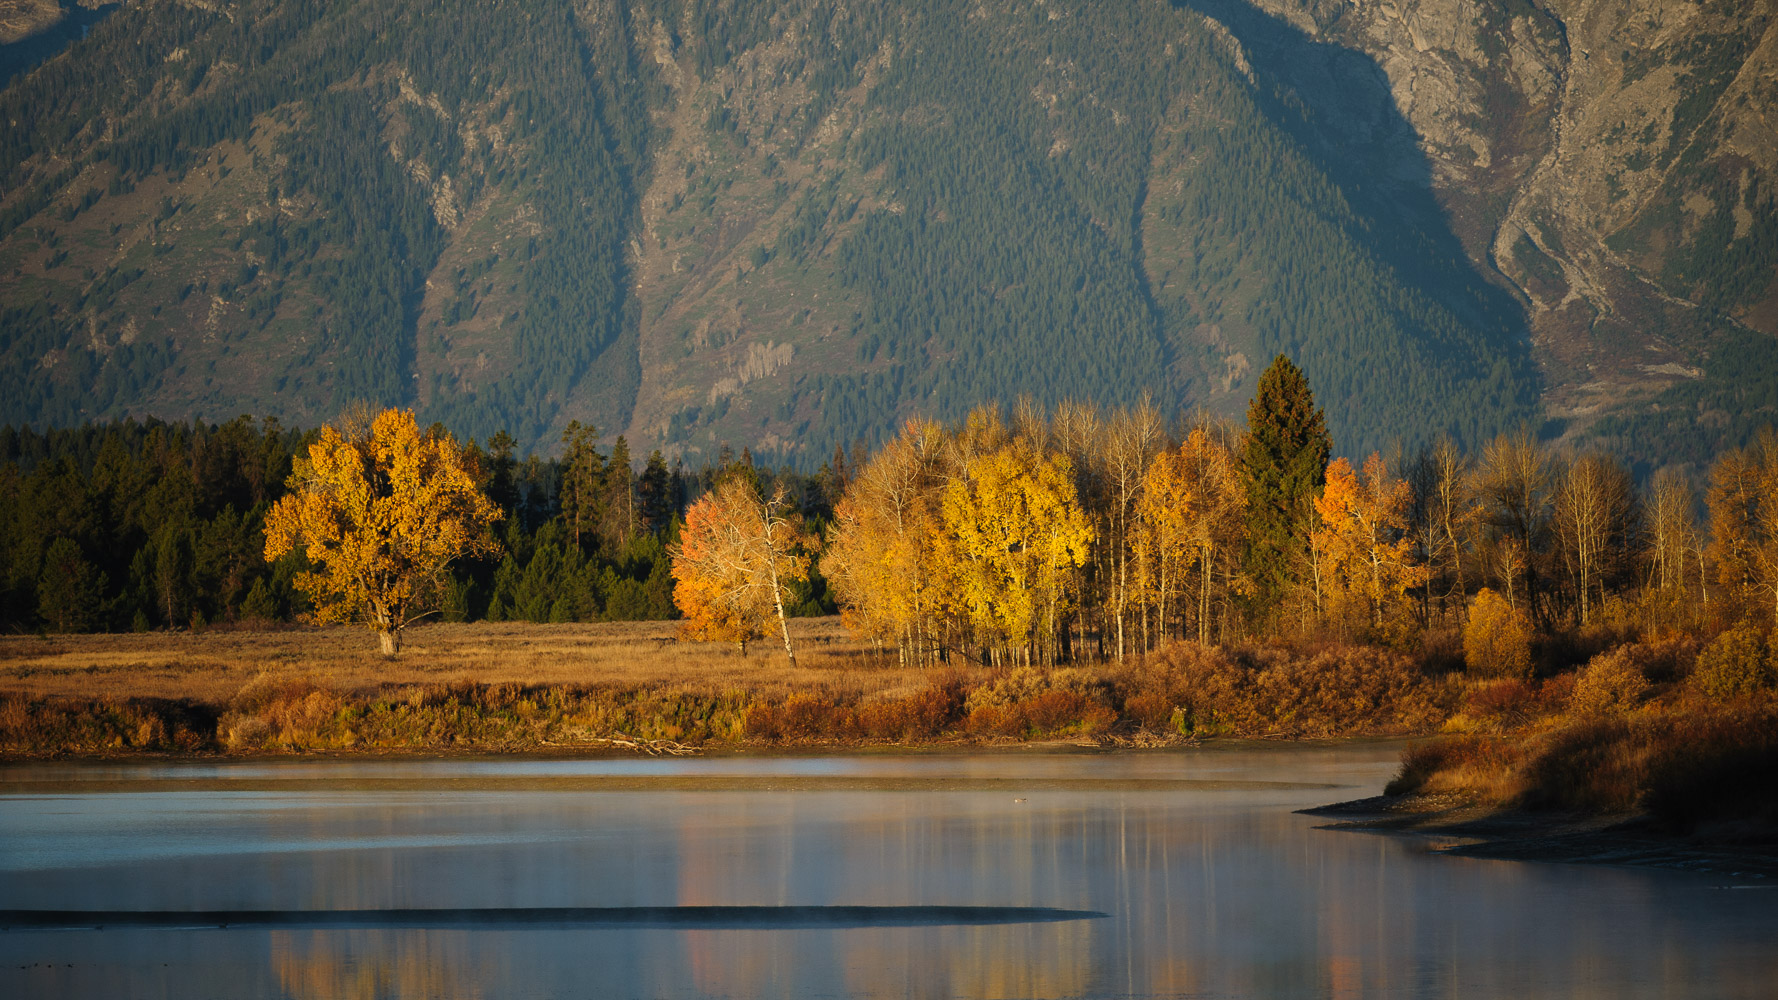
[
  {"x": 583, "y": 470},
  {"x": 1284, "y": 467},
  {"x": 617, "y": 498},
  {"x": 655, "y": 493}
]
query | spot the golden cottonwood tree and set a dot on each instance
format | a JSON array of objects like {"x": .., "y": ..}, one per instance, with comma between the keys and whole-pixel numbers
[
  {"x": 1014, "y": 531},
  {"x": 381, "y": 509},
  {"x": 736, "y": 554},
  {"x": 1192, "y": 509},
  {"x": 1743, "y": 503},
  {"x": 879, "y": 557},
  {"x": 1594, "y": 510},
  {"x": 1364, "y": 528}
]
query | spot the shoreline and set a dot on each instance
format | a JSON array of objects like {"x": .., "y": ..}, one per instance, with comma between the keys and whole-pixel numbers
[
  {"x": 1480, "y": 831},
  {"x": 961, "y": 747}
]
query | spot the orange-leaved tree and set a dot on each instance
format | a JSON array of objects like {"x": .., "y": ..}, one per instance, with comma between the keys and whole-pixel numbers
[
  {"x": 1364, "y": 523},
  {"x": 381, "y": 508},
  {"x": 735, "y": 556}
]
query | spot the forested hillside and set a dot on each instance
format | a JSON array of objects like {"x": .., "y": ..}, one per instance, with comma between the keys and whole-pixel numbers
[{"x": 782, "y": 224}]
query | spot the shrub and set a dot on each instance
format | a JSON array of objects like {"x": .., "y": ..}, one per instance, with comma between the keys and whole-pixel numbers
[
  {"x": 79, "y": 725},
  {"x": 1685, "y": 766},
  {"x": 1597, "y": 765},
  {"x": 1504, "y": 704},
  {"x": 1612, "y": 682},
  {"x": 1497, "y": 638},
  {"x": 1452, "y": 762},
  {"x": 1735, "y": 664},
  {"x": 1029, "y": 702},
  {"x": 1153, "y": 709},
  {"x": 999, "y": 720},
  {"x": 1719, "y": 768},
  {"x": 1264, "y": 691},
  {"x": 924, "y": 714}
]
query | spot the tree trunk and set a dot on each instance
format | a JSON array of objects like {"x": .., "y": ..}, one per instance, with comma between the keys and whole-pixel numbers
[
  {"x": 778, "y": 603},
  {"x": 390, "y": 640}
]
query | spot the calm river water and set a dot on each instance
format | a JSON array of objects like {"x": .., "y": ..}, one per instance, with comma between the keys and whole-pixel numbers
[{"x": 1187, "y": 875}]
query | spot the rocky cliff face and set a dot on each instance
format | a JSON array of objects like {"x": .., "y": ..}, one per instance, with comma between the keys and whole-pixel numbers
[{"x": 1614, "y": 160}]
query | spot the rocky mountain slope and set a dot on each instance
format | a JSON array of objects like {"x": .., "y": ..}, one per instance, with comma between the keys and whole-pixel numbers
[
  {"x": 1614, "y": 160},
  {"x": 791, "y": 224}
]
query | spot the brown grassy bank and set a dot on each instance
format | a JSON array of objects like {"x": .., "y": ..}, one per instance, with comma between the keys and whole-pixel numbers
[
  {"x": 506, "y": 687},
  {"x": 1650, "y": 734}
]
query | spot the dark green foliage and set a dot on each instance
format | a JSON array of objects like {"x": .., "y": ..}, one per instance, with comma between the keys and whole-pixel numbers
[
  {"x": 1284, "y": 467},
  {"x": 69, "y": 590},
  {"x": 141, "y": 524},
  {"x": 132, "y": 526},
  {"x": 1699, "y": 418}
]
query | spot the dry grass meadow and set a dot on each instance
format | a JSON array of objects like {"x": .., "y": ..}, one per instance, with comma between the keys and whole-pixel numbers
[
  {"x": 215, "y": 665},
  {"x": 498, "y": 687}
]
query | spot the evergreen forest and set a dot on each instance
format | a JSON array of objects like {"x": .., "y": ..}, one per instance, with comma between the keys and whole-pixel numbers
[
  {"x": 136, "y": 526},
  {"x": 513, "y": 215}
]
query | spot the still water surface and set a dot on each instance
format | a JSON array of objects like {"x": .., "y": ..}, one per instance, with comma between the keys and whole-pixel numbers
[{"x": 1205, "y": 882}]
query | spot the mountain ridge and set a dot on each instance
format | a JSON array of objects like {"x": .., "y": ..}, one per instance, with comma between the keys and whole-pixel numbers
[{"x": 790, "y": 225}]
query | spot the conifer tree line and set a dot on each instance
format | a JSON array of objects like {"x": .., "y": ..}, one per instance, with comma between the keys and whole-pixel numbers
[
  {"x": 1084, "y": 534},
  {"x": 150, "y": 525}
]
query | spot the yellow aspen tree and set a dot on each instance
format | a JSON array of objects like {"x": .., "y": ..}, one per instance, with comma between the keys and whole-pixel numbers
[
  {"x": 1496, "y": 638},
  {"x": 1671, "y": 526},
  {"x": 381, "y": 509},
  {"x": 1076, "y": 429},
  {"x": 1364, "y": 517},
  {"x": 1216, "y": 529},
  {"x": 1192, "y": 507},
  {"x": 1514, "y": 483},
  {"x": 879, "y": 559},
  {"x": 1164, "y": 516},
  {"x": 1014, "y": 530},
  {"x": 1130, "y": 438},
  {"x": 1456, "y": 512}
]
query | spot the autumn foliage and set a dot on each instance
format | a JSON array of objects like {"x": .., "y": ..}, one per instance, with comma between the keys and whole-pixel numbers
[
  {"x": 736, "y": 554},
  {"x": 380, "y": 509}
]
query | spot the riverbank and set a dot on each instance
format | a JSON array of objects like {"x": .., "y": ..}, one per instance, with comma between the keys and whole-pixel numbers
[
  {"x": 573, "y": 689},
  {"x": 1463, "y": 827}
]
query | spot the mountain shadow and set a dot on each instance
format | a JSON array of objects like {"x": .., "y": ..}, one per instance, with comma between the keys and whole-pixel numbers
[{"x": 1337, "y": 104}]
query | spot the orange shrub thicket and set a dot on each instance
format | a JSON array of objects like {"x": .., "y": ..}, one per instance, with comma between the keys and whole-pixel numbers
[
  {"x": 1614, "y": 681},
  {"x": 1267, "y": 691},
  {"x": 1509, "y": 704},
  {"x": 1028, "y": 702}
]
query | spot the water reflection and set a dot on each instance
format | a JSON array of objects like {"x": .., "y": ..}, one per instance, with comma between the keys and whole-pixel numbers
[{"x": 1209, "y": 893}]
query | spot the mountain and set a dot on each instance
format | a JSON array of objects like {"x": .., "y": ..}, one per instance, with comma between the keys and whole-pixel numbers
[
  {"x": 791, "y": 224},
  {"x": 1613, "y": 160}
]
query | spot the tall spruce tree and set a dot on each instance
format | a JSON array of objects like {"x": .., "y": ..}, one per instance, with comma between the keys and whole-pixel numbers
[{"x": 1284, "y": 467}]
